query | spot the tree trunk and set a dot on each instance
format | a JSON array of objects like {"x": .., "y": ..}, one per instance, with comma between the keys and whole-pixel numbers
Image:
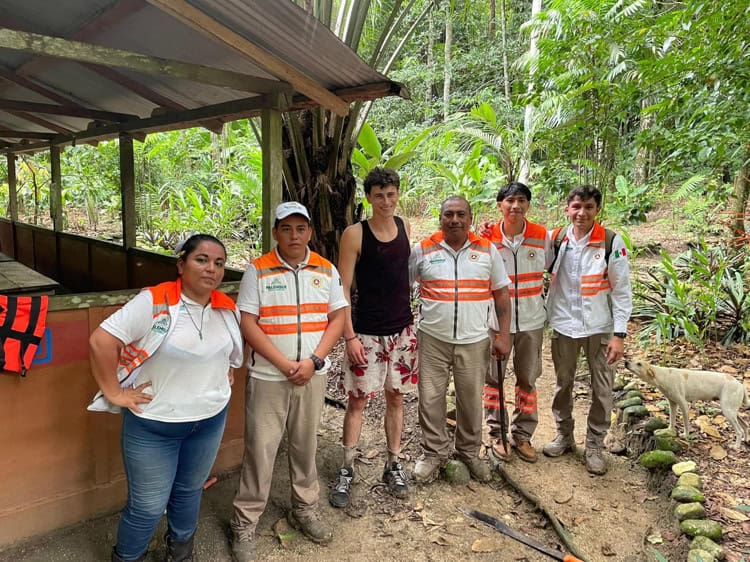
[
  {"x": 528, "y": 119},
  {"x": 432, "y": 90},
  {"x": 504, "y": 35},
  {"x": 492, "y": 25},
  {"x": 739, "y": 203},
  {"x": 319, "y": 175},
  {"x": 447, "y": 71},
  {"x": 643, "y": 156},
  {"x": 317, "y": 144}
]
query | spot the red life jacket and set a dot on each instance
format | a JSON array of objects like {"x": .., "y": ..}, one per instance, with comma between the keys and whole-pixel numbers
[{"x": 22, "y": 323}]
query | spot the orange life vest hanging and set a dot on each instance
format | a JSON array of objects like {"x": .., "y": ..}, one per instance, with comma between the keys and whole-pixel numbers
[{"x": 22, "y": 323}]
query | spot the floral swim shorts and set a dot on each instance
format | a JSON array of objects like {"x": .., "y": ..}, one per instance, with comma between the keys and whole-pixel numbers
[{"x": 391, "y": 364}]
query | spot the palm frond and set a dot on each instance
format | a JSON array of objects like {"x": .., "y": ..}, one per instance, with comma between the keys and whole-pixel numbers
[{"x": 689, "y": 187}]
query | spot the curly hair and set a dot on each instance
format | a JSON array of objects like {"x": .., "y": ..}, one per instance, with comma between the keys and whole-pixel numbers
[{"x": 382, "y": 177}]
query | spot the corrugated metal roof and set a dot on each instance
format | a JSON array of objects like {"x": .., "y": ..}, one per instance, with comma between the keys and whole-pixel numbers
[{"x": 279, "y": 27}]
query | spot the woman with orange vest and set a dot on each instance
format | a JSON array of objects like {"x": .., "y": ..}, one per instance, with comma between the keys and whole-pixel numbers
[{"x": 165, "y": 360}]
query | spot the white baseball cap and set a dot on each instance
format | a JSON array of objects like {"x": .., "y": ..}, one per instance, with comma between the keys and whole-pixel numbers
[{"x": 291, "y": 208}]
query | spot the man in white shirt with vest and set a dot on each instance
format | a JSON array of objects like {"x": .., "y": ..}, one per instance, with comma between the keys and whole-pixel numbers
[
  {"x": 526, "y": 249},
  {"x": 292, "y": 313},
  {"x": 463, "y": 293},
  {"x": 589, "y": 305}
]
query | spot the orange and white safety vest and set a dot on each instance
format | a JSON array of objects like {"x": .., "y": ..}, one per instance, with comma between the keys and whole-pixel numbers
[
  {"x": 526, "y": 265},
  {"x": 457, "y": 305},
  {"x": 598, "y": 298},
  {"x": 166, "y": 306},
  {"x": 293, "y": 310}
]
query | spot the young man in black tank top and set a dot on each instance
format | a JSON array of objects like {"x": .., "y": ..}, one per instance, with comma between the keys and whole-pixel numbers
[{"x": 381, "y": 342}]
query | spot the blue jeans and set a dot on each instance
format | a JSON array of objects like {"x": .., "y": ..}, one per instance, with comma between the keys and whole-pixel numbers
[{"x": 166, "y": 465}]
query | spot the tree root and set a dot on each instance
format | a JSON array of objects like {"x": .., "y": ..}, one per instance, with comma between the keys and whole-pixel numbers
[{"x": 537, "y": 503}]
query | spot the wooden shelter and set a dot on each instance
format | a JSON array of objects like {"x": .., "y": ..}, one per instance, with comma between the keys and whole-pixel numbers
[{"x": 82, "y": 71}]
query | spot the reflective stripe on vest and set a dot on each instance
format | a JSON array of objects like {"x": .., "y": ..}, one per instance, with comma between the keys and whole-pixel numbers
[{"x": 22, "y": 323}]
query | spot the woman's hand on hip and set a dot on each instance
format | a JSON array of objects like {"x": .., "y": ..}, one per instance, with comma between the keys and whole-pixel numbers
[{"x": 131, "y": 397}]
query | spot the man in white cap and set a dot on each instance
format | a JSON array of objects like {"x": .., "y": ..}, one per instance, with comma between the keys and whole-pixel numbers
[{"x": 292, "y": 305}]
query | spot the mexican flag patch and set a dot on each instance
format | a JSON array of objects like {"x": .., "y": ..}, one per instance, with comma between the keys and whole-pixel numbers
[{"x": 621, "y": 253}]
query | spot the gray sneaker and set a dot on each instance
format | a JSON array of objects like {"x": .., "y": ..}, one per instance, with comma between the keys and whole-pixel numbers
[
  {"x": 427, "y": 469},
  {"x": 311, "y": 525},
  {"x": 478, "y": 469},
  {"x": 560, "y": 445},
  {"x": 395, "y": 478},
  {"x": 341, "y": 491},
  {"x": 243, "y": 548},
  {"x": 595, "y": 462}
]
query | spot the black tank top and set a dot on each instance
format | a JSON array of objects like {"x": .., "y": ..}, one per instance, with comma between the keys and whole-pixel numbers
[{"x": 382, "y": 276}]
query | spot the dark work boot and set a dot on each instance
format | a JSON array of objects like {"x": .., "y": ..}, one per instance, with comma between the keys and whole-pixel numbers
[
  {"x": 179, "y": 551},
  {"x": 116, "y": 557}
]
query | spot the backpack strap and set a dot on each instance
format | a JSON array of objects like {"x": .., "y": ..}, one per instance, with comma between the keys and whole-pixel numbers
[
  {"x": 609, "y": 236},
  {"x": 557, "y": 237}
]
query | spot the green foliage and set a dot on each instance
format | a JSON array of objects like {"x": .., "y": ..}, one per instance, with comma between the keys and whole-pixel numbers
[
  {"x": 700, "y": 295},
  {"x": 629, "y": 203},
  {"x": 700, "y": 203},
  {"x": 395, "y": 157}
]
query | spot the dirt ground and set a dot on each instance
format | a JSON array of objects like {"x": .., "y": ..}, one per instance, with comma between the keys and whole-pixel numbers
[
  {"x": 609, "y": 517},
  {"x": 625, "y": 515}
]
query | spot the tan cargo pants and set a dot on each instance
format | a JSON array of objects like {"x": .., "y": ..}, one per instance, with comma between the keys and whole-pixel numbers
[
  {"x": 565, "y": 352},
  {"x": 270, "y": 409},
  {"x": 468, "y": 363},
  {"x": 526, "y": 348}
]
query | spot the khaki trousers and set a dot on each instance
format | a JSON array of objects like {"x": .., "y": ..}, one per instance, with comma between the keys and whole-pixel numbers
[
  {"x": 468, "y": 363},
  {"x": 565, "y": 352},
  {"x": 527, "y": 366},
  {"x": 270, "y": 409}
]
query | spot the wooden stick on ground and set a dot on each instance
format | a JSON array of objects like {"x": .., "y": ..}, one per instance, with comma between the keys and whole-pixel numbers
[{"x": 534, "y": 499}]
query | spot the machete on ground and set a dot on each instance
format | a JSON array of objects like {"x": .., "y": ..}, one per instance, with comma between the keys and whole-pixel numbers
[{"x": 518, "y": 535}]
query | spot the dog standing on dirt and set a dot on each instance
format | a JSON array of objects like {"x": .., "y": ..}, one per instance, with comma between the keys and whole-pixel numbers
[{"x": 682, "y": 386}]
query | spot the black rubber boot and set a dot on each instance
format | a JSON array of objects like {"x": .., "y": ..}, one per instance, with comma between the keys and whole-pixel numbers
[
  {"x": 116, "y": 557},
  {"x": 179, "y": 551}
]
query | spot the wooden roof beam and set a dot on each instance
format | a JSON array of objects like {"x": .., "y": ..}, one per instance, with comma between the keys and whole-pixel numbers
[
  {"x": 136, "y": 62},
  {"x": 67, "y": 110},
  {"x": 147, "y": 93},
  {"x": 29, "y": 84},
  {"x": 198, "y": 20},
  {"x": 41, "y": 122},
  {"x": 231, "y": 110},
  {"x": 10, "y": 134},
  {"x": 365, "y": 92}
]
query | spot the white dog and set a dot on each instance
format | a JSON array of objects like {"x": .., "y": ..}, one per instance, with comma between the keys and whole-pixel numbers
[{"x": 682, "y": 386}]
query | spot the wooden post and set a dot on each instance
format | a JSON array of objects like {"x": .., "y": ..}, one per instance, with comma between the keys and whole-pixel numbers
[
  {"x": 127, "y": 190},
  {"x": 55, "y": 196},
  {"x": 12, "y": 188},
  {"x": 272, "y": 171}
]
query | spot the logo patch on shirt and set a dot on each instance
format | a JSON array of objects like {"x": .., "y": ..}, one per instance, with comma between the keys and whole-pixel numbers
[
  {"x": 473, "y": 257},
  {"x": 620, "y": 253},
  {"x": 161, "y": 325},
  {"x": 276, "y": 285},
  {"x": 316, "y": 282},
  {"x": 532, "y": 254},
  {"x": 597, "y": 256}
]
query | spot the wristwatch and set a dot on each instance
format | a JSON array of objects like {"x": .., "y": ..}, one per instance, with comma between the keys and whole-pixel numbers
[
  {"x": 622, "y": 335},
  {"x": 317, "y": 362}
]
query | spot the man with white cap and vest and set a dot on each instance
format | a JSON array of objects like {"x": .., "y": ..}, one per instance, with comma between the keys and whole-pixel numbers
[
  {"x": 292, "y": 307},
  {"x": 526, "y": 249},
  {"x": 463, "y": 293}
]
